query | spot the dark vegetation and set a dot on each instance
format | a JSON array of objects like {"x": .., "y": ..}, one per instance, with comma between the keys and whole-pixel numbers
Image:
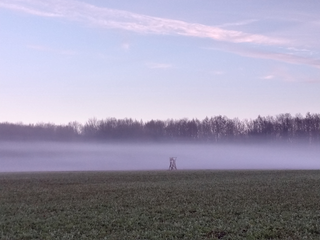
[
  {"x": 160, "y": 205},
  {"x": 283, "y": 127}
]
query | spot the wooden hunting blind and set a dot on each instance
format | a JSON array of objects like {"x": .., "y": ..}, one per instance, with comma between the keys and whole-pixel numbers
[{"x": 173, "y": 165}]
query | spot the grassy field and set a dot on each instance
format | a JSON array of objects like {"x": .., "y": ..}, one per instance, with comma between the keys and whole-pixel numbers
[{"x": 160, "y": 205}]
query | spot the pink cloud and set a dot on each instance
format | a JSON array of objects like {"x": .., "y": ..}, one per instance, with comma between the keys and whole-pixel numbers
[
  {"x": 284, "y": 74},
  {"x": 110, "y": 18},
  {"x": 268, "y": 77},
  {"x": 269, "y": 55}
]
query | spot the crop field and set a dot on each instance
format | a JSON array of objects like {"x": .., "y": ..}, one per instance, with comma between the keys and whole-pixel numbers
[{"x": 160, "y": 205}]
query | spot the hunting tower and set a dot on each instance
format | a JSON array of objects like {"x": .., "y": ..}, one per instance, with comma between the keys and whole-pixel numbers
[{"x": 173, "y": 165}]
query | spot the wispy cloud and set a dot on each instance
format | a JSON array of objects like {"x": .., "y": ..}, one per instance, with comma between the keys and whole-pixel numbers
[
  {"x": 125, "y": 46},
  {"x": 294, "y": 78},
  {"x": 111, "y": 18},
  {"x": 218, "y": 72},
  {"x": 284, "y": 74},
  {"x": 287, "y": 57},
  {"x": 240, "y": 23},
  {"x": 158, "y": 65},
  {"x": 51, "y": 50},
  {"x": 283, "y": 57},
  {"x": 116, "y": 19},
  {"x": 267, "y": 77},
  {"x": 16, "y": 6}
]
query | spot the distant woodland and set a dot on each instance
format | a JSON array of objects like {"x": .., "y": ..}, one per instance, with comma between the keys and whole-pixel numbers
[{"x": 283, "y": 127}]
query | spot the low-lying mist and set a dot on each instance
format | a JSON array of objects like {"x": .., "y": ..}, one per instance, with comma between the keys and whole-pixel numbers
[{"x": 48, "y": 156}]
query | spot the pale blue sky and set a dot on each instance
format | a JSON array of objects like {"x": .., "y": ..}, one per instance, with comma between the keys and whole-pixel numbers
[{"x": 66, "y": 60}]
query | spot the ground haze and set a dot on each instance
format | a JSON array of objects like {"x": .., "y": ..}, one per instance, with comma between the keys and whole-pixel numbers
[{"x": 48, "y": 156}]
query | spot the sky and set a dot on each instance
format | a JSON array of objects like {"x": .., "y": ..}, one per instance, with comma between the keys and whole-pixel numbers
[{"x": 72, "y": 60}]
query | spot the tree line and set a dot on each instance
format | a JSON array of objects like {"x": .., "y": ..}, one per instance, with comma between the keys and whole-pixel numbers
[{"x": 282, "y": 127}]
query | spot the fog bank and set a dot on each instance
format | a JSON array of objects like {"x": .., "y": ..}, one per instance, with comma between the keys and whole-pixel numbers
[{"x": 47, "y": 156}]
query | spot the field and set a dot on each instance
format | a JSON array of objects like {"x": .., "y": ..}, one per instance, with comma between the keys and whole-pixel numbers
[{"x": 160, "y": 205}]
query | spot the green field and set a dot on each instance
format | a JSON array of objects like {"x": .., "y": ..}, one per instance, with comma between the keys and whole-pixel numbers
[{"x": 160, "y": 205}]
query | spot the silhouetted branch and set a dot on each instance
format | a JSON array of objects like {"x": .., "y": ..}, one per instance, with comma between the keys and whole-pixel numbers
[{"x": 282, "y": 127}]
